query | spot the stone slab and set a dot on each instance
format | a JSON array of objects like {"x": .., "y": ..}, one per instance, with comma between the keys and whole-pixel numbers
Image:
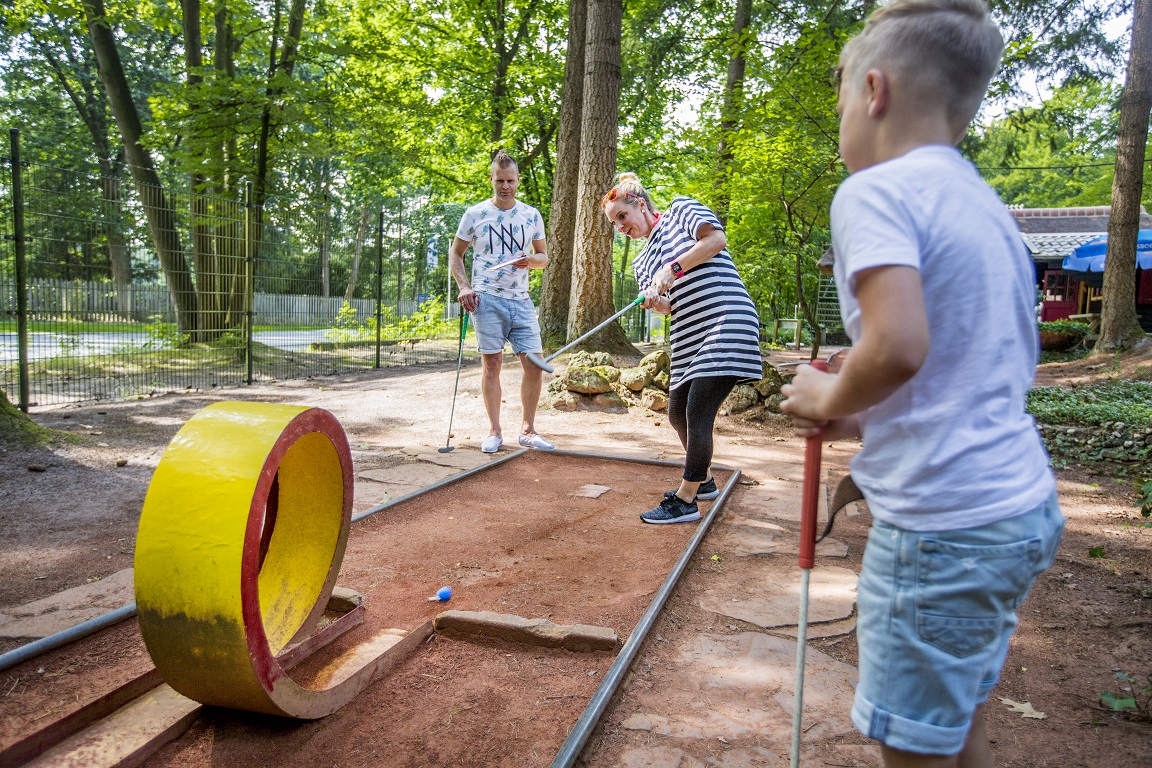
[
  {"x": 741, "y": 685},
  {"x": 462, "y": 457},
  {"x": 368, "y": 493},
  {"x": 58, "y": 612},
  {"x": 590, "y": 491},
  {"x": 517, "y": 629},
  {"x": 417, "y": 473},
  {"x": 769, "y": 595},
  {"x": 128, "y": 736},
  {"x": 746, "y": 536},
  {"x": 778, "y": 498}
]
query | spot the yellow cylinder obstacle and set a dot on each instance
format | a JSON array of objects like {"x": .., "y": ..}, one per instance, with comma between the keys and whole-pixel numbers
[{"x": 240, "y": 542}]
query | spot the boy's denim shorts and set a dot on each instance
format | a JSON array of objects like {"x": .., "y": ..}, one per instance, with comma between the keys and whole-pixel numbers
[
  {"x": 498, "y": 320},
  {"x": 937, "y": 609}
]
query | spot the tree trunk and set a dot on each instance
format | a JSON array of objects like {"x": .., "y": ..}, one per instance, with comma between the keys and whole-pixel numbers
[
  {"x": 556, "y": 288},
  {"x": 591, "y": 299},
  {"x": 88, "y": 101},
  {"x": 505, "y": 48},
  {"x": 361, "y": 230},
  {"x": 224, "y": 64},
  {"x": 500, "y": 78},
  {"x": 157, "y": 206},
  {"x": 285, "y": 63},
  {"x": 1119, "y": 327},
  {"x": 325, "y": 229},
  {"x": 119, "y": 257},
  {"x": 731, "y": 108},
  {"x": 209, "y": 296},
  {"x": 229, "y": 233}
]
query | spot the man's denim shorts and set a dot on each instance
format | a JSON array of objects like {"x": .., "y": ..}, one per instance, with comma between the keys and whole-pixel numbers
[
  {"x": 498, "y": 320},
  {"x": 936, "y": 611}
]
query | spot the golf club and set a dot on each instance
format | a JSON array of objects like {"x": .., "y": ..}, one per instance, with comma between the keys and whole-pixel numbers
[
  {"x": 543, "y": 363},
  {"x": 448, "y": 447},
  {"x": 808, "y": 504}
]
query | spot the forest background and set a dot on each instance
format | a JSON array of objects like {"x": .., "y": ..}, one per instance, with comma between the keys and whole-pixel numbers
[{"x": 338, "y": 111}]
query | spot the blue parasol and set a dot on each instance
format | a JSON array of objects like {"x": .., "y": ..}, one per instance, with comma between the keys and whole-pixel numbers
[{"x": 1090, "y": 256}]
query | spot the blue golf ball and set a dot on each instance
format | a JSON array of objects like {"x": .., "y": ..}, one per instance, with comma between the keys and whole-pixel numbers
[{"x": 444, "y": 593}]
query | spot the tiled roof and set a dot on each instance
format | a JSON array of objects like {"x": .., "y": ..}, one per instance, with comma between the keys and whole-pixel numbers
[
  {"x": 1050, "y": 234},
  {"x": 1045, "y": 246}
]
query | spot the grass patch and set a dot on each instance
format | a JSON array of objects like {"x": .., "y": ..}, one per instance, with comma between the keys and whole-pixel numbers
[{"x": 74, "y": 326}]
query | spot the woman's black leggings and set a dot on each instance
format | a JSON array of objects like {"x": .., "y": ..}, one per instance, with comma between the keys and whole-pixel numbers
[{"x": 692, "y": 408}]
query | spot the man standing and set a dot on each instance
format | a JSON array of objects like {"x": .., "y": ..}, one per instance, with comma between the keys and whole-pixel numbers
[{"x": 507, "y": 239}]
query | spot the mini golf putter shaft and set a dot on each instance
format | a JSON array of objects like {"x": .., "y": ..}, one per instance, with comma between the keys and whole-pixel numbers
[
  {"x": 543, "y": 363},
  {"x": 459, "y": 362},
  {"x": 809, "y": 502}
]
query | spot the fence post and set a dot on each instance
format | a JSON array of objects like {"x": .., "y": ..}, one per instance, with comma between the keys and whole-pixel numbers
[
  {"x": 249, "y": 284},
  {"x": 379, "y": 278},
  {"x": 21, "y": 268}
]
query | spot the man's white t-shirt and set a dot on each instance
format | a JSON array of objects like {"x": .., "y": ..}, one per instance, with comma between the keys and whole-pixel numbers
[
  {"x": 497, "y": 236},
  {"x": 953, "y": 447}
]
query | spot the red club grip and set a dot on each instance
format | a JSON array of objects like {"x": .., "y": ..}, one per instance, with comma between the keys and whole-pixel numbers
[{"x": 809, "y": 499}]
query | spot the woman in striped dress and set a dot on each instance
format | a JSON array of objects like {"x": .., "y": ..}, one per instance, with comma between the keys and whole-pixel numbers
[{"x": 715, "y": 336}]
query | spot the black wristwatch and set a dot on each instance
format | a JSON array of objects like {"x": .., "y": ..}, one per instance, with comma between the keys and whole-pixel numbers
[{"x": 677, "y": 270}]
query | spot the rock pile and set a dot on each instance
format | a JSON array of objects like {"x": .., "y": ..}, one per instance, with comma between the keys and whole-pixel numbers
[
  {"x": 594, "y": 382},
  {"x": 1114, "y": 441}
]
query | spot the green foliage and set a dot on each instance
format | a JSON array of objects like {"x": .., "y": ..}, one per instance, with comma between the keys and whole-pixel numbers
[
  {"x": 1134, "y": 701},
  {"x": 1126, "y": 402},
  {"x": 1144, "y": 503},
  {"x": 428, "y": 322},
  {"x": 1066, "y": 326},
  {"x": 163, "y": 335},
  {"x": 16, "y": 428},
  {"x": 228, "y": 340},
  {"x": 1097, "y": 552},
  {"x": 1059, "y": 153}
]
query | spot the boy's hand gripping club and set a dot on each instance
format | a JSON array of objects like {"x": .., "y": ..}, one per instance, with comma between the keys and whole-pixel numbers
[
  {"x": 543, "y": 362},
  {"x": 809, "y": 502}
]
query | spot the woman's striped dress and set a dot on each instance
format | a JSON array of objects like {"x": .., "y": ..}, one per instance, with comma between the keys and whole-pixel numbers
[{"x": 715, "y": 329}]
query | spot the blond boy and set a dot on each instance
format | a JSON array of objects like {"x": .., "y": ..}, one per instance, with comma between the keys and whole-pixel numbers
[{"x": 936, "y": 294}]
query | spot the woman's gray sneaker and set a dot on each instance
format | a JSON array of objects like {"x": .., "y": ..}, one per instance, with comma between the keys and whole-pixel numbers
[
  {"x": 672, "y": 509},
  {"x": 707, "y": 490}
]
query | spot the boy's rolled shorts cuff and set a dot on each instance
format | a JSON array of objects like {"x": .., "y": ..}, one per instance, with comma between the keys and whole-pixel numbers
[
  {"x": 498, "y": 320},
  {"x": 907, "y": 735}
]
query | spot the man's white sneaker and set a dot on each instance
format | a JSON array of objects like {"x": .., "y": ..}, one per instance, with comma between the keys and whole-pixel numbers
[
  {"x": 491, "y": 444},
  {"x": 537, "y": 442}
]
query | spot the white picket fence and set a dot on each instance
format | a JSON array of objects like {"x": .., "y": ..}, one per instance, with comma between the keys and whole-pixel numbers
[{"x": 87, "y": 301}]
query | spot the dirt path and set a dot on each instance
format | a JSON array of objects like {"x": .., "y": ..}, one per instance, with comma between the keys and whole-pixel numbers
[{"x": 69, "y": 517}]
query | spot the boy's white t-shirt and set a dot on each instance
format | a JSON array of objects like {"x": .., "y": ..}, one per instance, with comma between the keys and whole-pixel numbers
[
  {"x": 497, "y": 236},
  {"x": 953, "y": 447}
]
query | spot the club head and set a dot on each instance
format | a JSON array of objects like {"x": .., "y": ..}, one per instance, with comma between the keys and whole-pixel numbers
[
  {"x": 446, "y": 449},
  {"x": 538, "y": 361}
]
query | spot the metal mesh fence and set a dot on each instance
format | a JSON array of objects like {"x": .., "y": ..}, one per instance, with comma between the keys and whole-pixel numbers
[{"x": 130, "y": 290}]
